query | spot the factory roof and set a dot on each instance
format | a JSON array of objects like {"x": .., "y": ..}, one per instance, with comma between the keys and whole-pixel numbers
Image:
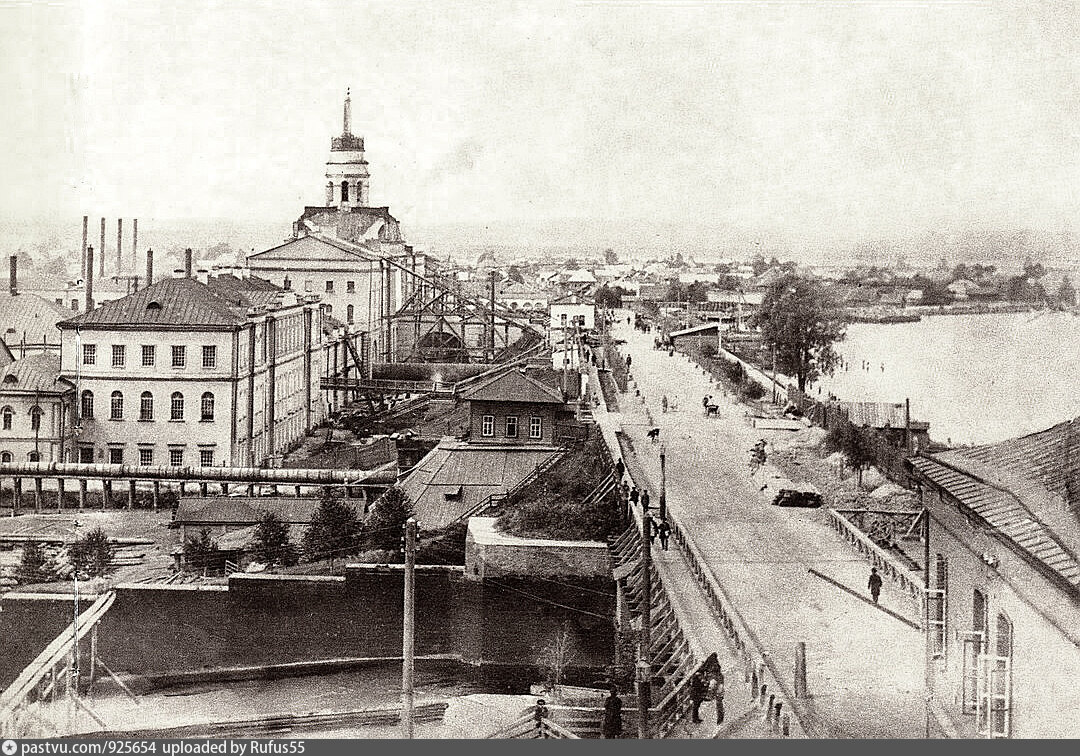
[
  {"x": 222, "y": 302},
  {"x": 31, "y": 317},
  {"x": 36, "y": 373}
]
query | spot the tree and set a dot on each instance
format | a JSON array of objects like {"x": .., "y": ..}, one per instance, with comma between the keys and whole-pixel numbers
[
  {"x": 609, "y": 296},
  {"x": 514, "y": 274},
  {"x": 572, "y": 263},
  {"x": 1066, "y": 295},
  {"x": 799, "y": 320},
  {"x": 334, "y": 531},
  {"x": 610, "y": 258},
  {"x": 92, "y": 554},
  {"x": 34, "y": 565},
  {"x": 271, "y": 542},
  {"x": 201, "y": 551},
  {"x": 845, "y": 437},
  {"x": 759, "y": 264},
  {"x": 554, "y": 659},
  {"x": 387, "y": 522}
]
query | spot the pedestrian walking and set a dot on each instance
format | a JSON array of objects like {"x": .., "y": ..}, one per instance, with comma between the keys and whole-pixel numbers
[
  {"x": 620, "y": 468},
  {"x": 716, "y": 690},
  {"x": 634, "y": 495},
  {"x": 697, "y": 695},
  {"x": 612, "y": 725},
  {"x": 874, "y": 584},
  {"x": 663, "y": 403},
  {"x": 645, "y": 500},
  {"x": 705, "y": 404},
  {"x": 629, "y": 361},
  {"x": 664, "y": 531}
]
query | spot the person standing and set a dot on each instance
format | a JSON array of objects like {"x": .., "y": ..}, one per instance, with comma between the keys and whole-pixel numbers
[
  {"x": 645, "y": 500},
  {"x": 664, "y": 531},
  {"x": 697, "y": 695},
  {"x": 874, "y": 584},
  {"x": 620, "y": 468},
  {"x": 612, "y": 724},
  {"x": 716, "y": 688},
  {"x": 634, "y": 495}
]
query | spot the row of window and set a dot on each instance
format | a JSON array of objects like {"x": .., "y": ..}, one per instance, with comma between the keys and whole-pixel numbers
[
  {"x": 146, "y": 456},
  {"x": 309, "y": 285},
  {"x": 146, "y": 406},
  {"x": 7, "y": 459},
  {"x": 487, "y": 426},
  {"x": 35, "y": 417},
  {"x": 149, "y": 355}
]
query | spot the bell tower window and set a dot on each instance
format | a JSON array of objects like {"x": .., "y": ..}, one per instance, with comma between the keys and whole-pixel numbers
[{"x": 344, "y": 191}]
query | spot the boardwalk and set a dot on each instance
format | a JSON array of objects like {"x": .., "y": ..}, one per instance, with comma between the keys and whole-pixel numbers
[{"x": 864, "y": 665}]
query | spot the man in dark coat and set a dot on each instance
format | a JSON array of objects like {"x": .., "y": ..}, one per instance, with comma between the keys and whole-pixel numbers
[
  {"x": 612, "y": 725},
  {"x": 645, "y": 500},
  {"x": 664, "y": 531},
  {"x": 697, "y": 695},
  {"x": 875, "y": 584},
  {"x": 634, "y": 494}
]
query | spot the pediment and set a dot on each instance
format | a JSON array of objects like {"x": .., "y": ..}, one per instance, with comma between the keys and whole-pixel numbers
[{"x": 306, "y": 248}]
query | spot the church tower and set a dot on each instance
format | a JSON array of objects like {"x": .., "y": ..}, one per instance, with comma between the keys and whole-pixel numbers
[{"x": 347, "y": 175}]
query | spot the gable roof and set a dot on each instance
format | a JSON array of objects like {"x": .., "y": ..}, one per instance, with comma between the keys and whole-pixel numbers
[
  {"x": 228, "y": 510},
  {"x": 513, "y": 386},
  {"x": 315, "y": 247},
  {"x": 183, "y": 303},
  {"x": 29, "y": 314}
]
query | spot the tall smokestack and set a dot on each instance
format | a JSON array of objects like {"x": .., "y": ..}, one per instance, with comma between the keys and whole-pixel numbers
[
  {"x": 187, "y": 263},
  {"x": 14, "y": 275},
  {"x": 101, "y": 250},
  {"x": 90, "y": 277},
  {"x": 119, "y": 244},
  {"x": 82, "y": 249},
  {"x": 134, "y": 243},
  {"x": 149, "y": 266}
]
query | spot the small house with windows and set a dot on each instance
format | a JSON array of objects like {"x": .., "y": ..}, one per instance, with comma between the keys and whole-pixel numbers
[
  {"x": 35, "y": 408},
  {"x": 514, "y": 408},
  {"x": 1004, "y": 608}
]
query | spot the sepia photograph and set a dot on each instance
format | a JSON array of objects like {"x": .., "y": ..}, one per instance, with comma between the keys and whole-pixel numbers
[{"x": 539, "y": 369}]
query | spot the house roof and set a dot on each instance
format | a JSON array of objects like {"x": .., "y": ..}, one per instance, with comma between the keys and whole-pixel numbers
[
  {"x": 513, "y": 386},
  {"x": 34, "y": 373},
  {"x": 183, "y": 302},
  {"x": 581, "y": 276},
  {"x": 456, "y": 476},
  {"x": 29, "y": 314},
  {"x": 695, "y": 330},
  {"x": 1026, "y": 488}
]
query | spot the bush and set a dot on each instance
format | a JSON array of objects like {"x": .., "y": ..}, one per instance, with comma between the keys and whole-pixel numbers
[
  {"x": 34, "y": 567},
  {"x": 92, "y": 554},
  {"x": 752, "y": 390}
]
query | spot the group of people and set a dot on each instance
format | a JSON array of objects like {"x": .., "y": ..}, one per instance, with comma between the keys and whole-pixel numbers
[
  {"x": 658, "y": 527},
  {"x": 702, "y": 687}
]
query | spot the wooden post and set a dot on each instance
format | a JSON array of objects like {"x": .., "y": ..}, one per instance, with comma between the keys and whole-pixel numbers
[
  {"x": 224, "y": 489},
  {"x": 408, "y": 646},
  {"x": 131, "y": 494},
  {"x": 663, "y": 483},
  {"x": 59, "y": 494},
  {"x": 800, "y": 670},
  {"x": 82, "y": 493},
  {"x": 93, "y": 656},
  {"x": 18, "y": 493},
  {"x": 928, "y": 672},
  {"x": 157, "y": 495},
  {"x": 106, "y": 494},
  {"x": 202, "y": 489},
  {"x": 37, "y": 495}
]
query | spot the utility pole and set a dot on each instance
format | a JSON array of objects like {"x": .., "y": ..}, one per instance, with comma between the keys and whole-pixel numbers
[
  {"x": 491, "y": 337},
  {"x": 644, "y": 665},
  {"x": 928, "y": 681},
  {"x": 407, "y": 645},
  {"x": 663, "y": 483},
  {"x": 774, "y": 374},
  {"x": 73, "y": 678}
]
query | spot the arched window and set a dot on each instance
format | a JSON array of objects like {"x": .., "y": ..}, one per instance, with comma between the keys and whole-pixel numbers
[
  {"x": 176, "y": 406},
  {"x": 344, "y": 191},
  {"x": 86, "y": 406},
  {"x": 35, "y": 417},
  {"x": 116, "y": 406},
  {"x": 349, "y": 313},
  {"x": 1004, "y": 636},
  {"x": 9, "y": 415},
  {"x": 287, "y": 284},
  {"x": 206, "y": 407},
  {"x": 34, "y": 456},
  {"x": 5, "y": 458},
  {"x": 146, "y": 406}
]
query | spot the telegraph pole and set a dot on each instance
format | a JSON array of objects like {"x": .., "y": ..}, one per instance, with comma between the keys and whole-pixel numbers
[
  {"x": 644, "y": 665},
  {"x": 663, "y": 483},
  {"x": 928, "y": 682},
  {"x": 407, "y": 645}
]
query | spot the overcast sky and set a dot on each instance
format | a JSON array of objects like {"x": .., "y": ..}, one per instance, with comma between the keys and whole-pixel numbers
[{"x": 832, "y": 120}]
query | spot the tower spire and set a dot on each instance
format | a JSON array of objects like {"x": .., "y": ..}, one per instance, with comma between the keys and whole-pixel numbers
[{"x": 348, "y": 114}]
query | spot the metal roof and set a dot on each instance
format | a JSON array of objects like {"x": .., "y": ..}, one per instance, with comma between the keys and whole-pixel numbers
[
  {"x": 1005, "y": 513},
  {"x": 228, "y": 510},
  {"x": 34, "y": 373},
  {"x": 31, "y": 316},
  {"x": 221, "y": 302},
  {"x": 513, "y": 386}
]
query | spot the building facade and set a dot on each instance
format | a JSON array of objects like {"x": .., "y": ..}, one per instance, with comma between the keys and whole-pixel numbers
[
  {"x": 516, "y": 409},
  {"x": 35, "y": 407},
  {"x": 219, "y": 371}
]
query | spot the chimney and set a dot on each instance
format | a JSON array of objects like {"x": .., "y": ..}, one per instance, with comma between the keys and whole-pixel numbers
[
  {"x": 119, "y": 245},
  {"x": 82, "y": 249},
  {"x": 101, "y": 251},
  {"x": 187, "y": 262},
  {"x": 14, "y": 275},
  {"x": 90, "y": 276},
  {"x": 202, "y": 275},
  {"x": 135, "y": 243},
  {"x": 149, "y": 267}
]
